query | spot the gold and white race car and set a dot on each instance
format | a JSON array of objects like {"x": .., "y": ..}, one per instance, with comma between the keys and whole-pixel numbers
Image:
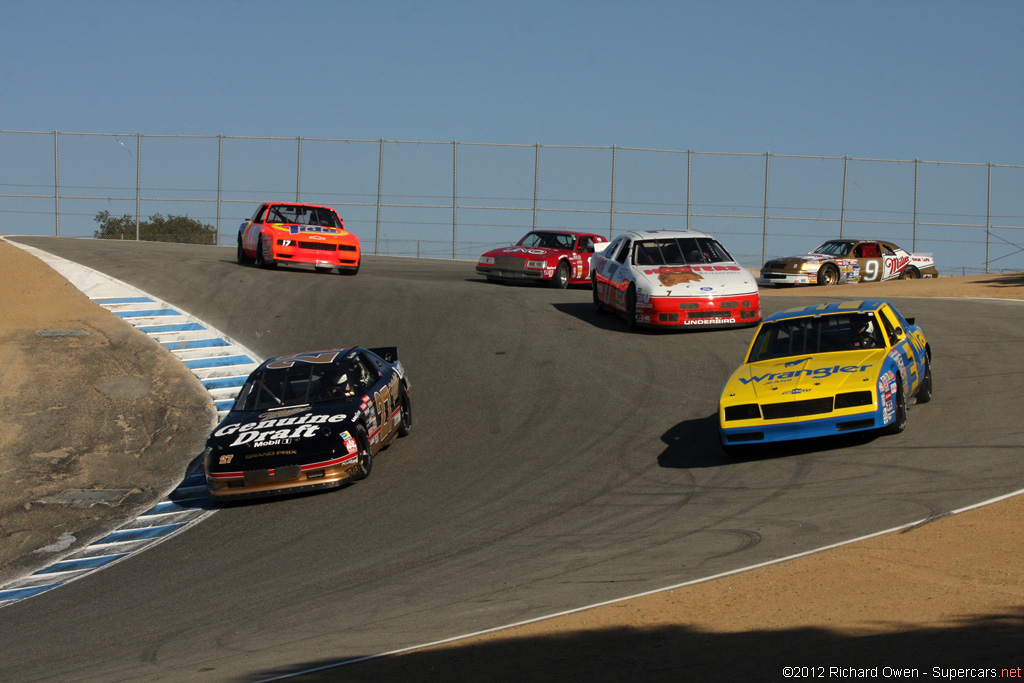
[{"x": 843, "y": 261}]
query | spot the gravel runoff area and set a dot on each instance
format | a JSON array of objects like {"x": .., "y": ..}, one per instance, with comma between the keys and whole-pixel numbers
[{"x": 940, "y": 600}]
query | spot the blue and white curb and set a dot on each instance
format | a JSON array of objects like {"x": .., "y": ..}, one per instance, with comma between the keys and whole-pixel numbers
[{"x": 219, "y": 363}]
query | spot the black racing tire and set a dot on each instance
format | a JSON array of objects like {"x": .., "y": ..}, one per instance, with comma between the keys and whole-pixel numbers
[
  {"x": 365, "y": 460},
  {"x": 561, "y": 278},
  {"x": 242, "y": 258},
  {"x": 262, "y": 262},
  {"x": 924, "y": 392},
  {"x": 405, "y": 426},
  {"x": 598, "y": 306},
  {"x": 900, "y": 423},
  {"x": 910, "y": 273},
  {"x": 828, "y": 275},
  {"x": 631, "y": 308}
]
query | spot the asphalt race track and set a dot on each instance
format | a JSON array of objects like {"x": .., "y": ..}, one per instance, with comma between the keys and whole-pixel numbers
[{"x": 556, "y": 461}]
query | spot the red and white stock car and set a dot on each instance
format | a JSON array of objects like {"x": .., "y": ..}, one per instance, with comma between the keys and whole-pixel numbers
[
  {"x": 557, "y": 257},
  {"x": 674, "y": 278}
]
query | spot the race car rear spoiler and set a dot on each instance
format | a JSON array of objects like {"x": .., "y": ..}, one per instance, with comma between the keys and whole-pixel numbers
[{"x": 388, "y": 353}]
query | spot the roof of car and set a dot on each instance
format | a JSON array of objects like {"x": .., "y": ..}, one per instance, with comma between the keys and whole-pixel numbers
[
  {"x": 825, "y": 309},
  {"x": 655, "y": 234},
  {"x": 559, "y": 231}
]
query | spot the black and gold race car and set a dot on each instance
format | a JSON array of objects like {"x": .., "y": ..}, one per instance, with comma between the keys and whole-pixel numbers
[{"x": 309, "y": 420}]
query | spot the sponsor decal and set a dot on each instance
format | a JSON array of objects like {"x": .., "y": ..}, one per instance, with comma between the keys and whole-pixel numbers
[
  {"x": 709, "y": 321},
  {"x": 894, "y": 264},
  {"x": 816, "y": 372},
  {"x": 523, "y": 250},
  {"x": 798, "y": 390},
  {"x": 270, "y": 432},
  {"x": 296, "y": 229}
]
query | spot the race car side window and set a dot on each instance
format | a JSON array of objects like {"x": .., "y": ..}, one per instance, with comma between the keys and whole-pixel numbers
[
  {"x": 887, "y": 250},
  {"x": 623, "y": 254},
  {"x": 890, "y": 330},
  {"x": 259, "y": 213}
]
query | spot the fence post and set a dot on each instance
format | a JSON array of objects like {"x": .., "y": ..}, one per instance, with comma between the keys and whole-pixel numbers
[
  {"x": 917, "y": 166},
  {"x": 842, "y": 210},
  {"x": 138, "y": 182},
  {"x": 380, "y": 180},
  {"x": 689, "y": 174},
  {"x": 455, "y": 194},
  {"x": 56, "y": 184},
  {"x": 220, "y": 179},
  {"x": 298, "y": 172},
  {"x": 764, "y": 229},
  {"x": 988, "y": 220},
  {"x": 611, "y": 225},
  {"x": 536, "y": 180}
]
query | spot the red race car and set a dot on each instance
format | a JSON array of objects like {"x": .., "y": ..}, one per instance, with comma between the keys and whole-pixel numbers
[
  {"x": 557, "y": 257},
  {"x": 298, "y": 233}
]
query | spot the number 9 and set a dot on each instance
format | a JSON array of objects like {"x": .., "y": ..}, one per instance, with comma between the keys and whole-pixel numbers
[{"x": 871, "y": 270}]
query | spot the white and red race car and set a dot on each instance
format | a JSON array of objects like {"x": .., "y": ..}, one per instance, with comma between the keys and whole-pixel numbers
[
  {"x": 843, "y": 261},
  {"x": 557, "y": 257},
  {"x": 674, "y": 278}
]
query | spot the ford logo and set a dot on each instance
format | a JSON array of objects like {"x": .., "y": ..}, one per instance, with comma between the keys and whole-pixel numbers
[{"x": 707, "y": 289}]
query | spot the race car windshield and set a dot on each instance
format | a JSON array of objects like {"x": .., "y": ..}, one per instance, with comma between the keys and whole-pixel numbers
[
  {"x": 301, "y": 384},
  {"x": 303, "y": 215},
  {"x": 679, "y": 251},
  {"x": 833, "y": 249},
  {"x": 551, "y": 240},
  {"x": 816, "y": 334}
]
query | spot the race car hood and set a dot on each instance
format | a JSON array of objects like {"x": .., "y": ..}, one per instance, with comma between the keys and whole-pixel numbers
[
  {"x": 300, "y": 229},
  {"x": 800, "y": 258},
  {"x": 724, "y": 279},
  {"x": 805, "y": 377},
  {"x": 539, "y": 253},
  {"x": 247, "y": 440}
]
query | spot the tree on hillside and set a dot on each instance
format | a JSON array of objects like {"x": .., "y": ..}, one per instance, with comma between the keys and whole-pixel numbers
[{"x": 156, "y": 229}]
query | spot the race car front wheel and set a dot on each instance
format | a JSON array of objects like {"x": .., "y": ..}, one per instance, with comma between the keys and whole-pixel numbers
[
  {"x": 561, "y": 278},
  {"x": 899, "y": 423},
  {"x": 828, "y": 275}
]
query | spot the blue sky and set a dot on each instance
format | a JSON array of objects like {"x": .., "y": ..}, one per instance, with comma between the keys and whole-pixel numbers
[{"x": 932, "y": 80}]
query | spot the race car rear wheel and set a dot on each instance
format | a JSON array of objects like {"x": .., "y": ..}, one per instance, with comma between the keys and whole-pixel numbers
[
  {"x": 561, "y": 278},
  {"x": 828, "y": 275},
  {"x": 900, "y": 422},
  {"x": 241, "y": 256},
  {"x": 924, "y": 393},
  {"x": 598, "y": 306},
  {"x": 910, "y": 273},
  {"x": 365, "y": 460},
  {"x": 631, "y": 307},
  {"x": 406, "y": 424}
]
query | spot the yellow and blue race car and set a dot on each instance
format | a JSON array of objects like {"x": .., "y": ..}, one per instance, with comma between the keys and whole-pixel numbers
[{"x": 826, "y": 369}]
